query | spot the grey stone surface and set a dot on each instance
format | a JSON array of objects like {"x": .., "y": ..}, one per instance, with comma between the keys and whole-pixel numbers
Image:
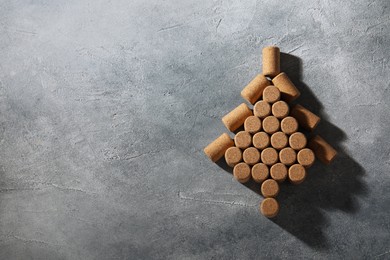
[{"x": 106, "y": 106}]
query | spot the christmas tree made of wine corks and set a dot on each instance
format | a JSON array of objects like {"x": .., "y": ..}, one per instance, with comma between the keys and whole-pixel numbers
[{"x": 271, "y": 148}]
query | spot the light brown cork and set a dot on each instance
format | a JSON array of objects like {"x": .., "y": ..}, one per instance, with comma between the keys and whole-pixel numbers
[
  {"x": 287, "y": 156},
  {"x": 296, "y": 174},
  {"x": 243, "y": 139},
  {"x": 280, "y": 109},
  {"x": 269, "y": 156},
  {"x": 269, "y": 188},
  {"x": 251, "y": 155},
  {"x": 261, "y": 140},
  {"x": 260, "y": 172},
  {"x": 289, "y": 125},
  {"x": 242, "y": 172},
  {"x": 252, "y": 124},
  {"x": 278, "y": 172},
  {"x": 279, "y": 140},
  {"x": 253, "y": 91},
  {"x": 286, "y": 87},
  {"x": 236, "y": 118},
  {"x": 322, "y": 150},
  {"x": 269, "y": 207},
  {"x": 271, "y": 61},
  {"x": 297, "y": 141},
  {"x": 262, "y": 109},
  {"x": 305, "y": 117},
  {"x": 306, "y": 157},
  {"x": 216, "y": 149},
  {"x": 233, "y": 155},
  {"x": 271, "y": 94},
  {"x": 271, "y": 124}
]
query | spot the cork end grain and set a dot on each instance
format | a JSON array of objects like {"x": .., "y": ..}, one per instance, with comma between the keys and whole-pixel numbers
[
  {"x": 280, "y": 109},
  {"x": 260, "y": 172},
  {"x": 289, "y": 125},
  {"x": 233, "y": 156},
  {"x": 269, "y": 188},
  {"x": 297, "y": 141},
  {"x": 278, "y": 172},
  {"x": 306, "y": 157},
  {"x": 252, "y": 124},
  {"x": 296, "y": 174},
  {"x": 269, "y": 207},
  {"x": 261, "y": 140},
  {"x": 279, "y": 140},
  {"x": 242, "y": 172},
  {"x": 287, "y": 156},
  {"x": 262, "y": 109},
  {"x": 271, "y": 124},
  {"x": 269, "y": 156},
  {"x": 251, "y": 155},
  {"x": 271, "y": 94},
  {"x": 243, "y": 139}
]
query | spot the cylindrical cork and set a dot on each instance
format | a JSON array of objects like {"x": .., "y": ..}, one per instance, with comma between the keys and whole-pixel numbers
[
  {"x": 278, "y": 172},
  {"x": 297, "y": 141},
  {"x": 305, "y": 117},
  {"x": 279, "y": 140},
  {"x": 296, "y": 173},
  {"x": 269, "y": 207},
  {"x": 253, "y": 91},
  {"x": 252, "y": 124},
  {"x": 306, "y": 157},
  {"x": 286, "y": 87},
  {"x": 323, "y": 151},
  {"x": 262, "y": 109},
  {"x": 271, "y": 124},
  {"x": 261, "y": 140},
  {"x": 289, "y": 125},
  {"x": 269, "y": 156},
  {"x": 235, "y": 118},
  {"x": 233, "y": 155},
  {"x": 271, "y": 61},
  {"x": 242, "y": 172},
  {"x": 243, "y": 139},
  {"x": 271, "y": 94},
  {"x": 260, "y": 172},
  {"x": 216, "y": 149},
  {"x": 269, "y": 188},
  {"x": 280, "y": 109},
  {"x": 251, "y": 155},
  {"x": 287, "y": 156}
]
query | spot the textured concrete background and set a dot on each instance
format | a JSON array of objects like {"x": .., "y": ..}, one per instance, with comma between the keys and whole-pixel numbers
[{"x": 106, "y": 106}]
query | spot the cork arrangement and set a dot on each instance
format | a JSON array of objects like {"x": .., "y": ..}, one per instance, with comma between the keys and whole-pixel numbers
[{"x": 271, "y": 143}]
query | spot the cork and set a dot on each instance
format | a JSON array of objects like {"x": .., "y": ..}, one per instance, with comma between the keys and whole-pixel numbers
[
  {"x": 279, "y": 140},
  {"x": 235, "y": 118},
  {"x": 271, "y": 124},
  {"x": 269, "y": 207},
  {"x": 278, "y": 172},
  {"x": 280, "y": 109},
  {"x": 262, "y": 109},
  {"x": 271, "y": 61},
  {"x": 271, "y": 94},
  {"x": 306, "y": 157},
  {"x": 296, "y": 174},
  {"x": 252, "y": 124},
  {"x": 233, "y": 155},
  {"x": 297, "y": 141},
  {"x": 216, "y": 149},
  {"x": 269, "y": 156},
  {"x": 287, "y": 88},
  {"x": 261, "y": 140},
  {"x": 260, "y": 172},
  {"x": 305, "y": 117},
  {"x": 253, "y": 91},
  {"x": 269, "y": 188},
  {"x": 287, "y": 156},
  {"x": 289, "y": 125},
  {"x": 322, "y": 150},
  {"x": 243, "y": 140},
  {"x": 251, "y": 155},
  {"x": 242, "y": 172}
]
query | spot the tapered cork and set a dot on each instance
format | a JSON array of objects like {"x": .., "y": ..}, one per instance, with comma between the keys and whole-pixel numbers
[
  {"x": 251, "y": 155},
  {"x": 271, "y": 94},
  {"x": 261, "y": 140},
  {"x": 242, "y": 172},
  {"x": 269, "y": 156},
  {"x": 253, "y": 91},
  {"x": 271, "y": 124},
  {"x": 296, "y": 174},
  {"x": 278, "y": 172},
  {"x": 216, "y": 149},
  {"x": 286, "y": 87},
  {"x": 279, "y": 140},
  {"x": 269, "y": 207},
  {"x": 252, "y": 124},
  {"x": 306, "y": 157},
  {"x": 322, "y": 150},
  {"x": 233, "y": 155},
  {"x": 271, "y": 61},
  {"x": 280, "y": 109},
  {"x": 236, "y": 118},
  {"x": 305, "y": 117},
  {"x": 243, "y": 139},
  {"x": 287, "y": 156},
  {"x": 262, "y": 109},
  {"x": 297, "y": 141},
  {"x": 269, "y": 188},
  {"x": 260, "y": 172},
  {"x": 289, "y": 125}
]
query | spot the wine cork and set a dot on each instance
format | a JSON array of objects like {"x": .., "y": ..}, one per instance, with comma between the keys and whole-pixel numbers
[
  {"x": 278, "y": 172},
  {"x": 279, "y": 140},
  {"x": 260, "y": 172},
  {"x": 269, "y": 188},
  {"x": 287, "y": 88},
  {"x": 235, "y": 118},
  {"x": 216, "y": 149},
  {"x": 305, "y": 117},
  {"x": 261, "y": 140},
  {"x": 271, "y": 124},
  {"x": 322, "y": 150},
  {"x": 233, "y": 155},
  {"x": 262, "y": 109},
  {"x": 269, "y": 156},
  {"x": 271, "y": 61},
  {"x": 271, "y": 94},
  {"x": 280, "y": 109},
  {"x": 289, "y": 125},
  {"x": 269, "y": 207},
  {"x": 306, "y": 157},
  {"x": 243, "y": 140},
  {"x": 296, "y": 174},
  {"x": 297, "y": 141},
  {"x": 252, "y": 124},
  {"x": 242, "y": 172},
  {"x": 287, "y": 156},
  {"x": 253, "y": 91},
  {"x": 251, "y": 155}
]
